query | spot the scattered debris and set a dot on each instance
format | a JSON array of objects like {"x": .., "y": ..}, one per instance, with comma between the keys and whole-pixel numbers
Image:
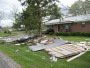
[
  {"x": 53, "y": 58},
  {"x": 42, "y": 42},
  {"x": 58, "y": 48},
  {"x": 18, "y": 44},
  {"x": 19, "y": 38},
  {"x": 76, "y": 56},
  {"x": 27, "y": 50},
  {"x": 22, "y": 43},
  {"x": 57, "y": 42},
  {"x": 43, "y": 57},
  {"x": 16, "y": 51}
]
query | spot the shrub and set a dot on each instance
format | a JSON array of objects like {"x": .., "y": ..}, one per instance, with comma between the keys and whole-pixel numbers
[
  {"x": 63, "y": 34},
  {"x": 87, "y": 34},
  {"x": 7, "y": 32}
]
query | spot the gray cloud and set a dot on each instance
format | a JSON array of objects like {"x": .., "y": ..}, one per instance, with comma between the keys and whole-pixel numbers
[{"x": 6, "y": 7}]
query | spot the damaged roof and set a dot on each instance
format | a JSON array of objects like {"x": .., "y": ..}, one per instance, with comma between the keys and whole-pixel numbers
[{"x": 80, "y": 18}]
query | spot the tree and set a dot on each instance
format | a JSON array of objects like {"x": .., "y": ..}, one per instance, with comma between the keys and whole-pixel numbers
[
  {"x": 15, "y": 16},
  {"x": 17, "y": 22},
  {"x": 14, "y": 13},
  {"x": 80, "y": 8},
  {"x": 37, "y": 9},
  {"x": 55, "y": 12},
  {"x": 1, "y": 16}
]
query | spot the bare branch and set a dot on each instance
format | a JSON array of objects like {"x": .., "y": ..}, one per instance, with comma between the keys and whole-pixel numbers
[
  {"x": 14, "y": 12},
  {"x": 1, "y": 16}
]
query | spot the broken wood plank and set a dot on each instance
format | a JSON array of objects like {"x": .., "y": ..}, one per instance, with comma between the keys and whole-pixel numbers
[{"x": 76, "y": 56}]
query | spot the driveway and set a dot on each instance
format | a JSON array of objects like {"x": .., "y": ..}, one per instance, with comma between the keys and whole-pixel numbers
[{"x": 6, "y": 62}]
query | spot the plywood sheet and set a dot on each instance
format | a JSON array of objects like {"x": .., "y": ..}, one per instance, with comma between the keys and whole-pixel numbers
[{"x": 64, "y": 50}]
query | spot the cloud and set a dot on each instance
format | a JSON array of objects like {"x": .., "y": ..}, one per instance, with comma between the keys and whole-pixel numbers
[
  {"x": 7, "y": 23},
  {"x": 67, "y": 2},
  {"x": 6, "y": 6}
]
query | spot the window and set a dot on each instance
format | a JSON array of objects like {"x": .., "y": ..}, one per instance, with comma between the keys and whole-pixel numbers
[
  {"x": 67, "y": 26},
  {"x": 83, "y": 24}
]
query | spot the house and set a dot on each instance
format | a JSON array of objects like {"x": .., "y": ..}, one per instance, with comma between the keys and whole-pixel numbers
[{"x": 79, "y": 23}]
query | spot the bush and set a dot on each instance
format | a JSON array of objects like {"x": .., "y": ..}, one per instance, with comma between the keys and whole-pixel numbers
[
  {"x": 7, "y": 32},
  {"x": 63, "y": 34},
  {"x": 87, "y": 34}
]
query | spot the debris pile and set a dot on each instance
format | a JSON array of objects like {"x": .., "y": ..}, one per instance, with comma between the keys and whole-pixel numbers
[
  {"x": 58, "y": 48},
  {"x": 45, "y": 44},
  {"x": 19, "y": 38},
  {"x": 64, "y": 50}
]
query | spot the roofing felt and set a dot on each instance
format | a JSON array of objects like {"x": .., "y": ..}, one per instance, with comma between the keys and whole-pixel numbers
[{"x": 80, "y": 18}]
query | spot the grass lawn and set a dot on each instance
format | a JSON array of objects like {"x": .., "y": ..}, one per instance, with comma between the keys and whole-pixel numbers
[
  {"x": 2, "y": 34},
  {"x": 14, "y": 33},
  {"x": 34, "y": 59},
  {"x": 71, "y": 38}
]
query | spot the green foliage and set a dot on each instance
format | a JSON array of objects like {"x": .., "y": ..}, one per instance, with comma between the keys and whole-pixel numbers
[
  {"x": 36, "y": 11},
  {"x": 87, "y": 34},
  {"x": 7, "y": 32},
  {"x": 2, "y": 42},
  {"x": 51, "y": 33},
  {"x": 18, "y": 21},
  {"x": 54, "y": 12},
  {"x": 80, "y": 8},
  {"x": 16, "y": 25},
  {"x": 63, "y": 34}
]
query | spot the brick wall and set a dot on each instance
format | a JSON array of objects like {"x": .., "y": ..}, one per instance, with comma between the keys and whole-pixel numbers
[
  {"x": 55, "y": 27},
  {"x": 78, "y": 27},
  {"x": 74, "y": 27}
]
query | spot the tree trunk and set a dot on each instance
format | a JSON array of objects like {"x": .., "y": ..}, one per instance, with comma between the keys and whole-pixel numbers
[{"x": 40, "y": 30}]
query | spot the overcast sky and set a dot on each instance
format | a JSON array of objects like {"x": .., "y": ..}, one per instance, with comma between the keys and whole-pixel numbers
[{"x": 7, "y": 5}]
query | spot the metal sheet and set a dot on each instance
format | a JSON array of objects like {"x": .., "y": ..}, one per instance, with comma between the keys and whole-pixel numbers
[{"x": 57, "y": 42}]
